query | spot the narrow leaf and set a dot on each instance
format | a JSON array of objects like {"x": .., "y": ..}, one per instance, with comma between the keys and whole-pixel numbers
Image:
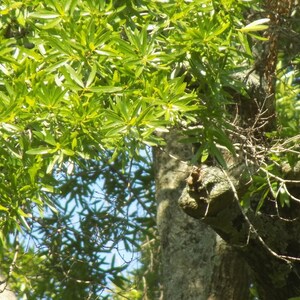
[
  {"x": 91, "y": 76},
  {"x": 41, "y": 150},
  {"x": 256, "y": 26},
  {"x": 74, "y": 75}
]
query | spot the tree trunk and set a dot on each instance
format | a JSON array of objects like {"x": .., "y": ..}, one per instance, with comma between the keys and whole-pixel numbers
[
  {"x": 268, "y": 241},
  {"x": 266, "y": 233},
  {"x": 196, "y": 263}
]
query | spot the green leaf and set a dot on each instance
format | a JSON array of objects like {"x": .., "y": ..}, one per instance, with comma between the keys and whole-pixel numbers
[
  {"x": 2, "y": 208},
  {"x": 50, "y": 139},
  {"x": 50, "y": 204},
  {"x": 44, "y": 14},
  {"x": 68, "y": 151},
  {"x": 256, "y": 26},
  {"x": 262, "y": 197},
  {"x": 245, "y": 43},
  {"x": 118, "y": 281},
  {"x": 74, "y": 75},
  {"x": 218, "y": 155},
  {"x": 217, "y": 32},
  {"x": 91, "y": 76},
  {"x": 40, "y": 151},
  {"x": 261, "y": 38},
  {"x": 105, "y": 89},
  {"x": 33, "y": 171},
  {"x": 52, "y": 24},
  {"x": 24, "y": 222},
  {"x": 52, "y": 163}
]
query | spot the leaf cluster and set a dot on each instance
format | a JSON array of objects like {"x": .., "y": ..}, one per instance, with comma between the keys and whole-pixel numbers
[{"x": 85, "y": 88}]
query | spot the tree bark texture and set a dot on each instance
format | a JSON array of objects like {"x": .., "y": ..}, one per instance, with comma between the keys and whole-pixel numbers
[
  {"x": 196, "y": 263},
  {"x": 269, "y": 242}
]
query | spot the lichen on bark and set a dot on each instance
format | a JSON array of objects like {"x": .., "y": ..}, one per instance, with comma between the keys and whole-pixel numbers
[
  {"x": 270, "y": 244},
  {"x": 196, "y": 263}
]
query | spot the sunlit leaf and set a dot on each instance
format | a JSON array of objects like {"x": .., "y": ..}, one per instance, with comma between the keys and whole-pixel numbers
[
  {"x": 105, "y": 89},
  {"x": 257, "y": 25},
  {"x": 74, "y": 75},
  {"x": 91, "y": 76},
  {"x": 44, "y": 14},
  {"x": 40, "y": 150}
]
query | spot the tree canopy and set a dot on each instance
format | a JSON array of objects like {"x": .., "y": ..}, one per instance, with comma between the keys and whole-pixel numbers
[{"x": 86, "y": 87}]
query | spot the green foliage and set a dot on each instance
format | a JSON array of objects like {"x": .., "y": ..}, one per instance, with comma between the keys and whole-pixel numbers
[
  {"x": 85, "y": 86},
  {"x": 288, "y": 100},
  {"x": 72, "y": 254}
]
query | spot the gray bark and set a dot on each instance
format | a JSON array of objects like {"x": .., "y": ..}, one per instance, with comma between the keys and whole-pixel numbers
[
  {"x": 196, "y": 263},
  {"x": 192, "y": 256},
  {"x": 267, "y": 241}
]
